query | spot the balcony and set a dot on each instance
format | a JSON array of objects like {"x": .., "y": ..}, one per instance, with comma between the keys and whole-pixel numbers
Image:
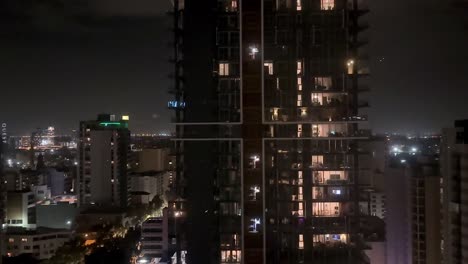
[
  {"x": 330, "y": 194},
  {"x": 330, "y": 166},
  {"x": 228, "y": 6},
  {"x": 362, "y": 7}
]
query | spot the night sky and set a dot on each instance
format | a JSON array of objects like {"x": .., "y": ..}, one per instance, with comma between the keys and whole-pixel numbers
[{"x": 62, "y": 61}]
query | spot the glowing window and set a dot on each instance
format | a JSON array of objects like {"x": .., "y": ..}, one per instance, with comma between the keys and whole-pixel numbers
[
  {"x": 268, "y": 67},
  {"x": 275, "y": 114},
  {"x": 326, "y": 209},
  {"x": 254, "y": 161},
  {"x": 254, "y": 225},
  {"x": 299, "y": 67},
  {"x": 299, "y": 84},
  {"x": 327, "y": 4},
  {"x": 230, "y": 256},
  {"x": 336, "y": 192},
  {"x": 254, "y": 190},
  {"x": 224, "y": 69},
  {"x": 298, "y": 5},
  {"x": 301, "y": 241},
  {"x": 253, "y": 51},
  {"x": 323, "y": 83},
  {"x": 350, "y": 66},
  {"x": 234, "y": 5},
  {"x": 317, "y": 161}
]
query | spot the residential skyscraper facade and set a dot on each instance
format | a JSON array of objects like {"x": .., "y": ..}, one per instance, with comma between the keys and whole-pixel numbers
[
  {"x": 454, "y": 168},
  {"x": 267, "y": 113},
  {"x": 103, "y": 152}
]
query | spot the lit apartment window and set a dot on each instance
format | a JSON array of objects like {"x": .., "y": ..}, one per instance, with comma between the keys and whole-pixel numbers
[
  {"x": 299, "y": 100},
  {"x": 268, "y": 67},
  {"x": 300, "y": 212},
  {"x": 277, "y": 84},
  {"x": 317, "y": 161},
  {"x": 316, "y": 99},
  {"x": 326, "y": 209},
  {"x": 24, "y": 240},
  {"x": 299, "y": 130},
  {"x": 301, "y": 241},
  {"x": 299, "y": 84},
  {"x": 230, "y": 256},
  {"x": 327, "y": 4},
  {"x": 254, "y": 190},
  {"x": 299, "y": 65},
  {"x": 254, "y": 161},
  {"x": 330, "y": 238},
  {"x": 300, "y": 195},
  {"x": 275, "y": 114},
  {"x": 224, "y": 69},
  {"x": 303, "y": 111},
  {"x": 234, "y": 5},
  {"x": 298, "y": 5},
  {"x": 254, "y": 225},
  {"x": 299, "y": 178},
  {"x": 315, "y": 131},
  {"x": 253, "y": 51},
  {"x": 350, "y": 66},
  {"x": 323, "y": 83}
]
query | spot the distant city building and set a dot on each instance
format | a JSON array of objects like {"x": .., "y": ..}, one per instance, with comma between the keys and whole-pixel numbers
[
  {"x": 12, "y": 180},
  {"x": 454, "y": 168},
  {"x": 398, "y": 214},
  {"x": 154, "y": 238},
  {"x": 378, "y": 204},
  {"x": 103, "y": 156},
  {"x": 41, "y": 243},
  {"x": 377, "y": 252},
  {"x": 4, "y": 133},
  {"x": 56, "y": 214},
  {"x": 20, "y": 209},
  {"x": 152, "y": 176},
  {"x": 55, "y": 180},
  {"x": 153, "y": 159},
  {"x": 145, "y": 186},
  {"x": 413, "y": 210},
  {"x": 426, "y": 211},
  {"x": 41, "y": 192}
]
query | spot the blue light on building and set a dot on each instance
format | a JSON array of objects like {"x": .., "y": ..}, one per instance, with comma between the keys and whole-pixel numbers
[{"x": 175, "y": 104}]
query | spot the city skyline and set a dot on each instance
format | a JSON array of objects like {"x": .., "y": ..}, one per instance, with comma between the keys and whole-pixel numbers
[{"x": 120, "y": 54}]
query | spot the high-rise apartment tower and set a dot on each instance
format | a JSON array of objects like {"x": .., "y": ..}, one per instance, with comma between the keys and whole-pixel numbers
[
  {"x": 267, "y": 114},
  {"x": 103, "y": 152}
]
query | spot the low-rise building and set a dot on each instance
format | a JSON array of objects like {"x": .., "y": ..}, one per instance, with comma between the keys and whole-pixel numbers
[
  {"x": 20, "y": 209},
  {"x": 41, "y": 243},
  {"x": 154, "y": 237},
  {"x": 53, "y": 214}
]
